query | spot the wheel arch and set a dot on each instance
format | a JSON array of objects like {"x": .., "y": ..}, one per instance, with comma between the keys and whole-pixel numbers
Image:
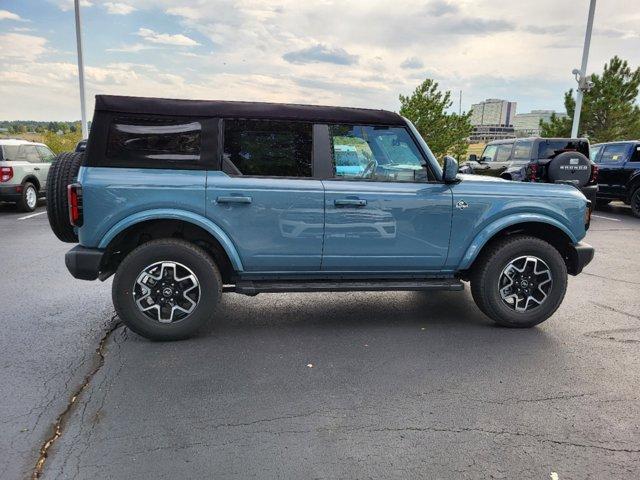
[
  {"x": 32, "y": 179},
  {"x": 141, "y": 228},
  {"x": 547, "y": 229}
]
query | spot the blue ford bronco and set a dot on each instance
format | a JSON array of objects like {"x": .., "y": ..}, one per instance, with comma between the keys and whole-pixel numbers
[{"x": 183, "y": 200}]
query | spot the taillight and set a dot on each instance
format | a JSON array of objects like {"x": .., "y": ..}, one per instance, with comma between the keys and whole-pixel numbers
[
  {"x": 74, "y": 197},
  {"x": 594, "y": 174},
  {"x": 533, "y": 172},
  {"x": 587, "y": 215},
  {"x": 6, "y": 174}
]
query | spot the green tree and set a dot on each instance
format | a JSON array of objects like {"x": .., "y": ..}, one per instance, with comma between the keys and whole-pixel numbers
[
  {"x": 444, "y": 132},
  {"x": 609, "y": 110}
]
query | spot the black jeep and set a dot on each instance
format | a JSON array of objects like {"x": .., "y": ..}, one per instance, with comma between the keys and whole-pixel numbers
[
  {"x": 546, "y": 160},
  {"x": 619, "y": 173}
]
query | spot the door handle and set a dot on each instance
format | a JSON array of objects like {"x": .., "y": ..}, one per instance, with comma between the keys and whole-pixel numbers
[
  {"x": 36, "y": 168},
  {"x": 349, "y": 202},
  {"x": 234, "y": 199}
]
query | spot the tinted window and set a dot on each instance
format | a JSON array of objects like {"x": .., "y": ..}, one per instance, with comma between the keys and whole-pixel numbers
[
  {"x": 154, "y": 141},
  {"x": 503, "y": 153},
  {"x": 267, "y": 148},
  {"x": 593, "y": 152},
  {"x": 522, "y": 150},
  {"x": 553, "y": 148},
  {"x": 376, "y": 153},
  {"x": 614, "y": 153},
  {"x": 636, "y": 154},
  {"x": 46, "y": 154}
]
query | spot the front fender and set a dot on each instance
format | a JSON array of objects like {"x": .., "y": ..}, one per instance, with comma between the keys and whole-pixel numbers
[
  {"x": 491, "y": 229},
  {"x": 172, "y": 214}
]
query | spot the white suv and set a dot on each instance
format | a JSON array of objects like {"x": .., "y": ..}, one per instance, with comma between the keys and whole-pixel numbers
[{"x": 23, "y": 172}]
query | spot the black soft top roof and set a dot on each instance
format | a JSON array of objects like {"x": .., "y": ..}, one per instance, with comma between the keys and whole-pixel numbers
[{"x": 218, "y": 108}]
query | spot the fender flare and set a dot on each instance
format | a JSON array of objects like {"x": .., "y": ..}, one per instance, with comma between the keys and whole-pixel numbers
[
  {"x": 173, "y": 214},
  {"x": 487, "y": 233}
]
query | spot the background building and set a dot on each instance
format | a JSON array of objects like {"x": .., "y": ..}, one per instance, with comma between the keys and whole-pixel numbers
[
  {"x": 492, "y": 120},
  {"x": 528, "y": 124}
]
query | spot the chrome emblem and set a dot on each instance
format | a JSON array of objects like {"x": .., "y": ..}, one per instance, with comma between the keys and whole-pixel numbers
[{"x": 461, "y": 205}]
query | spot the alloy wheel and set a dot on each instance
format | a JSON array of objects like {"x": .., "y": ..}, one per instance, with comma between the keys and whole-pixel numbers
[
  {"x": 166, "y": 291},
  {"x": 525, "y": 283}
]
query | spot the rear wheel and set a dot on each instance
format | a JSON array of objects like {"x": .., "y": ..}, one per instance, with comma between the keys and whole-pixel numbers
[
  {"x": 29, "y": 200},
  {"x": 519, "y": 281},
  {"x": 63, "y": 171},
  {"x": 166, "y": 289}
]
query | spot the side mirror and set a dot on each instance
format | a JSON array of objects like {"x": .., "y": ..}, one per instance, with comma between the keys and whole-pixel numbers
[
  {"x": 473, "y": 157},
  {"x": 450, "y": 170}
]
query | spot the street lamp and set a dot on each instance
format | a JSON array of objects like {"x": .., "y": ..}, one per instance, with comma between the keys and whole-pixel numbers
[
  {"x": 584, "y": 82},
  {"x": 83, "y": 107}
]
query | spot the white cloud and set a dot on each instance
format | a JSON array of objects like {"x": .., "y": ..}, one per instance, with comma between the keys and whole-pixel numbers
[
  {"x": 21, "y": 46},
  {"x": 131, "y": 48},
  {"x": 166, "y": 38},
  {"x": 66, "y": 5},
  {"x": 7, "y": 15},
  {"x": 117, "y": 8}
]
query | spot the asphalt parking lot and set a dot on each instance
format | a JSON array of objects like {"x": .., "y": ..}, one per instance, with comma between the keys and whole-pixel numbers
[{"x": 362, "y": 385}]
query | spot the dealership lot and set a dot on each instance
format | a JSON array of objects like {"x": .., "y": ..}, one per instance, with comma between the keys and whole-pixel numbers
[{"x": 357, "y": 385}]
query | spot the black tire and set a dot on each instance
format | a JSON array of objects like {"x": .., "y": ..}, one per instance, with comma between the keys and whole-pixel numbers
[
  {"x": 24, "y": 205},
  {"x": 63, "y": 172},
  {"x": 635, "y": 203},
  {"x": 570, "y": 166},
  {"x": 487, "y": 272},
  {"x": 181, "y": 252}
]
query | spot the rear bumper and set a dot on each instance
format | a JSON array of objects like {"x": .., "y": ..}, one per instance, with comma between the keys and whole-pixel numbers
[
  {"x": 10, "y": 193},
  {"x": 590, "y": 191},
  {"x": 580, "y": 255},
  {"x": 84, "y": 263}
]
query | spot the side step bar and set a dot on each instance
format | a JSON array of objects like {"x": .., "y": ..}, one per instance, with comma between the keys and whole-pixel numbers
[{"x": 247, "y": 287}]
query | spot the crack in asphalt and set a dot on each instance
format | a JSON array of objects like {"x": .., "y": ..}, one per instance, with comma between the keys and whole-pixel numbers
[
  {"x": 610, "y": 278},
  {"x": 61, "y": 418},
  {"x": 612, "y": 309}
]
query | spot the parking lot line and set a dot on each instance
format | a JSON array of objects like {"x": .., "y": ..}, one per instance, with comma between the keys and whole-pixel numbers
[
  {"x": 607, "y": 218},
  {"x": 32, "y": 215}
]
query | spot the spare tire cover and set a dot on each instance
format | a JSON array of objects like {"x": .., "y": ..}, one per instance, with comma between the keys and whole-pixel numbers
[{"x": 570, "y": 166}]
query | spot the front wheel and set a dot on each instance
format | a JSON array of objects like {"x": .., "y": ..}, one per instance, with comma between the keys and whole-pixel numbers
[
  {"x": 635, "y": 203},
  {"x": 166, "y": 289},
  {"x": 519, "y": 281}
]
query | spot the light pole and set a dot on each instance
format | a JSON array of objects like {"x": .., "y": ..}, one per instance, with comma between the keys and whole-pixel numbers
[
  {"x": 83, "y": 107},
  {"x": 584, "y": 82}
]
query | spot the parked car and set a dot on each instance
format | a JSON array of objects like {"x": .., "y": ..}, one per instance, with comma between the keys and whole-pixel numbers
[
  {"x": 81, "y": 146},
  {"x": 541, "y": 160},
  {"x": 23, "y": 172},
  {"x": 183, "y": 200},
  {"x": 619, "y": 173}
]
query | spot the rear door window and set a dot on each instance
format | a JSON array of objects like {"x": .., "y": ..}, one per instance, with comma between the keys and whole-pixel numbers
[
  {"x": 154, "y": 142},
  {"x": 267, "y": 148},
  {"x": 522, "y": 150},
  {"x": 615, "y": 153}
]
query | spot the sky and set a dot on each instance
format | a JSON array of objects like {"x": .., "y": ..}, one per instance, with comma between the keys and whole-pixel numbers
[{"x": 351, "y": 53}]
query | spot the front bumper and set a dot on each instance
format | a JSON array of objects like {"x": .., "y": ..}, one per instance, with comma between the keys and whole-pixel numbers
[
  {"x": 84, "y": 263},
  {"x": 580, "y": 255}
]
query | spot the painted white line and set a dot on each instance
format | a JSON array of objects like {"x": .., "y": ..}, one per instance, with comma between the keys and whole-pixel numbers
[
  {"x": 607, "y": 218},
  {"x": 32, "y": 215}
]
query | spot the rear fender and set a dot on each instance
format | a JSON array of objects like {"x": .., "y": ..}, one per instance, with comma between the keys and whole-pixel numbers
[
  {"x": 489, "y": 231},
  {"x": 173, "y": 214}
]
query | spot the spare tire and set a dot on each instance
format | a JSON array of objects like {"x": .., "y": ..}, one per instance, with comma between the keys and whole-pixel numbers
[
  {"x": 63, "y": 172},
  {"x": 570, "y": 167}
]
